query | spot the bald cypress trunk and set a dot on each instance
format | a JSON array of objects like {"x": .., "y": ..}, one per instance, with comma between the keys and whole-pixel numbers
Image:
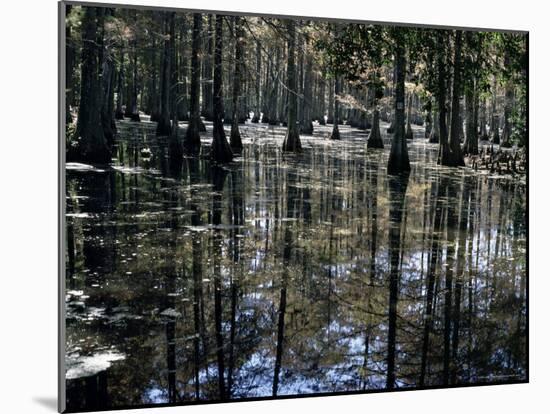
[
  {"x": 292, "y": 141},
  {"x": 69, "y": 68},
  {"x": 156, "y": 81},
  {"x": 258, "y": 84},
  {"x": 93, "y": 146},
  {"x": 221, "y": 151},
  {"x": 330, "y": 110},
  {"x": 444, "y": 150},
  {"x": 322, "y": 102},
  {"x": 182, "y": 103},
  {"x": 192, "y": 140},
  {"x": 175, "y": 146},
  {"x": 134, "y": 115},
  {"x": 163, "y": 126},
  {"x": 494, "y": 132},
  {"x": 408, "y": 131},
  {"x": 457, "y": 159},
  {"x": 266, "y": 93},
  {"x": 391, "y": 128},
  {"x": 399, "y": 155},
  {"x": 336, "y": 110},
  {"x": 282, "y": 94},
  {"x": 274, "y": 116},
  {"x": 434, "y": 133},
  {"x": 235, "y": 139},
  {"x": 207, "y": 97},
  {"x": 362, "y": 114},
  {"x": 119, "y": 113},
  {"x": 483, "y": 121},
  {"x": 107, "y": 81},
  {"x": 300, "y": 64},
  {"x": 508, "y": 98},
  {"x": 429, "y": 119},
  {"x": 375, "y": 139},
  {"x": 228, "y": 75},
  {"x": 471, "y": 101},
  {"x": 107, "y": 105},
  {"x": 151, "y": 83},
  {"x": 471, "y": 146},
  {"x": 306, "y": 119}
]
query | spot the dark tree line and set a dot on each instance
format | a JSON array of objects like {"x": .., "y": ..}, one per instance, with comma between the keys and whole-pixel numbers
[{"x": 183, "y": 70}]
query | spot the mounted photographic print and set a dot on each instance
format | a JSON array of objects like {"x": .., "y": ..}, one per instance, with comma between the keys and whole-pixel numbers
[{"x": 257, "y": 207}]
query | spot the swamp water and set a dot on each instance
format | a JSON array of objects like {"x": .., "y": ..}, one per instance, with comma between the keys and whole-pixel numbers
[{"x": 281, "y": 275}]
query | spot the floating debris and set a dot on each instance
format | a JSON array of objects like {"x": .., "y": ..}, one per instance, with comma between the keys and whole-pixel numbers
[
  {"x": 77, "y": 166},
  {"x": 79, "y": 366},
  {"x": 170, "y": 312}
]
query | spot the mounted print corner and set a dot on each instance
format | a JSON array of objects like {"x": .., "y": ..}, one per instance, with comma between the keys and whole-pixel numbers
[{"x": 255, "y": 207}]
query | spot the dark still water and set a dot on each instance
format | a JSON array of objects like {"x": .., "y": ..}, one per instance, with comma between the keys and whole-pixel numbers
[{"x": 284, "y": 275}]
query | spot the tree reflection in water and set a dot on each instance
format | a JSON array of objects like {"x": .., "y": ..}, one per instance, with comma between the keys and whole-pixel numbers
[{"x": 278, "y": 275}]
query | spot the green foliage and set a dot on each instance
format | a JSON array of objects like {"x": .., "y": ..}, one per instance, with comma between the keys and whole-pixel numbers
[
  {"x": 354, "y": 51},
  {"x": 73, "y": 19},
  {"x": 512, "y": 47},
  {"x": 519, "y": 117},
  {"x": 431, "y": 46}
]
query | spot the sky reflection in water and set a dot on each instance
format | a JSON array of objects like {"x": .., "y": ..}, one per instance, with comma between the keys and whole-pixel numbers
[{"x": 289, "y": 274}]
